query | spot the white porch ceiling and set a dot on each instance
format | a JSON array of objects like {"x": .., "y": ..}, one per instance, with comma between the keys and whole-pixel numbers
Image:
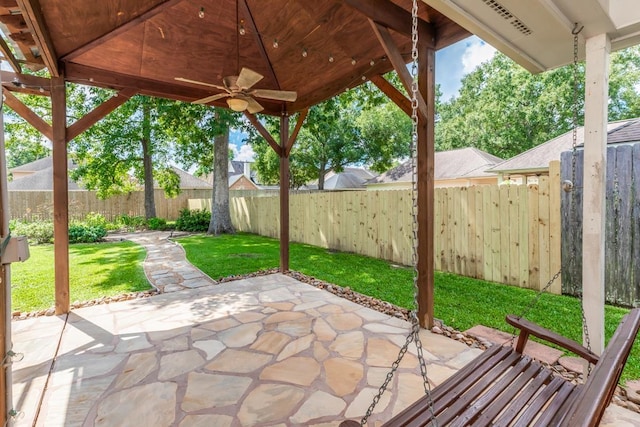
[{"x": 537, "y": 33}]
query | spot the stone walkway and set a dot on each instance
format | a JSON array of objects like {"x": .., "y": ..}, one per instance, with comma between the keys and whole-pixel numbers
[
  {"x": 165, "y": 265},
  {"x": 265, "y": 351}
]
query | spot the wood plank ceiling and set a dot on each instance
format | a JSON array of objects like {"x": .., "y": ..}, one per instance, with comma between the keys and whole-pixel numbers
[{"x": 317, "y": 48}]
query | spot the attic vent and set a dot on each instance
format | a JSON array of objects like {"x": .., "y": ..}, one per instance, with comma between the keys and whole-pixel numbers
[
  {"x": 498, "y": 8},
  {"x": 519, "y": 25},
  {"x": 504, "y": 13}
]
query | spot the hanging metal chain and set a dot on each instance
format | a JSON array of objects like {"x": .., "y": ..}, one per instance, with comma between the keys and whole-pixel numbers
[{"x": 414, "y": 335}]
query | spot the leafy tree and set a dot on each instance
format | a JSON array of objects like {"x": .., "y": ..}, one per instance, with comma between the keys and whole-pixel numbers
[
  {"x": 194, "y": 128},
  {"x": 505, "y": 110},
  {"x": 130, "y": 139},
  {"x": 360, "y": 126}
]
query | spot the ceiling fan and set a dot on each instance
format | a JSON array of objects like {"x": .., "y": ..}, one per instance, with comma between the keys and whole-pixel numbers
[{"x": 241, "y": 96}]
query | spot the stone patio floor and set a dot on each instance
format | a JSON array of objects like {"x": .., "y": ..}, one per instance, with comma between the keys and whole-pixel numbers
[{"x": 265, "y": 351}]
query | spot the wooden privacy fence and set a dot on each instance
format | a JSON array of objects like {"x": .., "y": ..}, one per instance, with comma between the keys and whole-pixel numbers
[
  {"x": 622, "y": 227},
  {"x": 508, "y": 234},
  {"x": 33, "y": 205}
]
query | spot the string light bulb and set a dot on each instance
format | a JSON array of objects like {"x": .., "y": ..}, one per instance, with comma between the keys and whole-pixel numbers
[
  {"x": 275, "y": 43},
  {"x": 305, "y": 53},
  {"x": 353, "y": 61},
  {"x": 201, "y": 12},
  {"x": 331, "y": 59},
  {"x": 241, "y": 30},
  {"x": 372, "y": 62}
]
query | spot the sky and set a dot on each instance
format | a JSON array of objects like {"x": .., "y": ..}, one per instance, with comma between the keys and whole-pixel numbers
[{"x": 452, "y": 64}]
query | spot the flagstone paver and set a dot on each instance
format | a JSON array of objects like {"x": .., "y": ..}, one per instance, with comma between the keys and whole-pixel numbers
[{"x": 266, "y": 351}]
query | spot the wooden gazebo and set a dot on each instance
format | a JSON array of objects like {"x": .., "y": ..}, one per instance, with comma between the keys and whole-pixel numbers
[{"x": 316, "y": 48}]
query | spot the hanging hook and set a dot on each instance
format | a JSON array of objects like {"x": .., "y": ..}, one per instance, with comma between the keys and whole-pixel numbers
[{"x": 576, "y": 30}]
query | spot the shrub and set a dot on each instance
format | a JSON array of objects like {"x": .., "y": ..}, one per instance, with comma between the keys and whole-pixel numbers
[
  {"x": 131, "y": 222},
  {"x": 195, "y": 220},
  {"x": 79, "y": 233},
  {"x": 37, "y": 232},
  {"x": 156, "y": 224}
]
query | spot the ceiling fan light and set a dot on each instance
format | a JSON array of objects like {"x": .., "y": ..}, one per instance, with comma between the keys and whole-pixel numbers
[{"x": 237, "y": 104}]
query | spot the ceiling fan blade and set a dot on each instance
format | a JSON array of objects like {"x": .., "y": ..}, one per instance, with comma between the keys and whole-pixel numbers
[
  {"x": 195, "y": 82},
  {"x": 248, "y": 78},
  {"x": 254, "y": 106},
  {"x": 211, "y": 98},
  {"x": 279, "y": 95}
]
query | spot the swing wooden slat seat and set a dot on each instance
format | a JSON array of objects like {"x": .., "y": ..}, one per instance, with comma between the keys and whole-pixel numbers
[{"x": 505, "y": 387}]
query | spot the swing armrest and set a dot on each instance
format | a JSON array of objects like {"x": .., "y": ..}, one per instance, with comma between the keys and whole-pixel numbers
[{"x": 529, "y": 328}]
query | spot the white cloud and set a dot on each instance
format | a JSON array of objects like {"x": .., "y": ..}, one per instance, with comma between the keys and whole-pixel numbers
[
  {"x": 243, "y": 154},
  {"x": 475, "y": 54}
]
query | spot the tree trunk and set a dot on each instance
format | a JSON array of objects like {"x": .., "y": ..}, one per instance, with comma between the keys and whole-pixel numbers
[
  {"x": 149, "y": 202},
  {"x": 321, "y": 175},
  {"x": 220, "y": 214}
]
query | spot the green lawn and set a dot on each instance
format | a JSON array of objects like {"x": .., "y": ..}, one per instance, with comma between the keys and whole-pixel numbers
[
  {"x": 460, "y": 302},
  {"x": 96, "y": 270}
]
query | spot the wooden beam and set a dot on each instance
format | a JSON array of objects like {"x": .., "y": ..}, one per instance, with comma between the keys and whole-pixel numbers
[
  {"x": 394, "y": 55},
  {"x": 26, "y": 113},
  {"x": 393, "y": 94},
  {"x": 121, "y": 29},
  {"x": 395, "y": 17},
  {"x": 98, "y": 113},
  {"x": 284, "y": 194},
  {"x": 251, "y": 26},
  {"x": 9, "y": 56},
  {"x": 26, "y": 79},
  {"x": 27, "y": 90},
  {"x": 32, "y": 13},
  {"x": 426, "y": 187},
  {"x": 296, "y": 131},
  {"x": 265, "y": 133},
  {"x": 60, "y": 194},
  {"x": 5, "y": 292}
]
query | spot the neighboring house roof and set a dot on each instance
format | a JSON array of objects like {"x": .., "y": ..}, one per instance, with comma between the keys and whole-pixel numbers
[
  {"x": 40, "y": 180},
  {"x": 461, "y": 163},
  {"x": 40, "y": 176},
  {"x": 350, "y": 177},
  {"x": 187, "y": 180},
  {"x": 37, "y": 165},
  {"x": 537, "y": 159}
]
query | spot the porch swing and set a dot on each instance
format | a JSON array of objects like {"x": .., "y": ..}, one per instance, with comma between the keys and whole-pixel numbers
[{"x": 503, "y": 386}]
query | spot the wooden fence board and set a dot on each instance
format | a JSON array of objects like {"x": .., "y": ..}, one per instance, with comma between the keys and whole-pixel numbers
[
  {"x": 635, "y": 224},
  {"x": 523, "y": 230},
  {"x": 514, "y": 235},
  {"x": 488, "y": 233},
  {"x": 503, "y": 230},
  {"x": 534, "y": 241},
  {"x": 543, "y": 229},
  {"x": 495, "y": 235},
  {"x": 624, "y": 201},
  {"x": 611, "y": 235},
  {"x": 555, "y": 225},
  {"x": 471, "y": 233},
  {"x": 479, "y": 237}
]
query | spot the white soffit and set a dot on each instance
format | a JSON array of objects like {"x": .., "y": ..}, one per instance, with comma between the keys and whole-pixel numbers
[{"x": 537, "y": 33}]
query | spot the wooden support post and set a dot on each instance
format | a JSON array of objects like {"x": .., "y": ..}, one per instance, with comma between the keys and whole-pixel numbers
[
  {"x": 5, "y": 281},
  {"x": 595, "y": 178},
  {"x": 60, "y": 194},
  {"x": 426, "y": 191},
  {"x": 284, "y": 193}
]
